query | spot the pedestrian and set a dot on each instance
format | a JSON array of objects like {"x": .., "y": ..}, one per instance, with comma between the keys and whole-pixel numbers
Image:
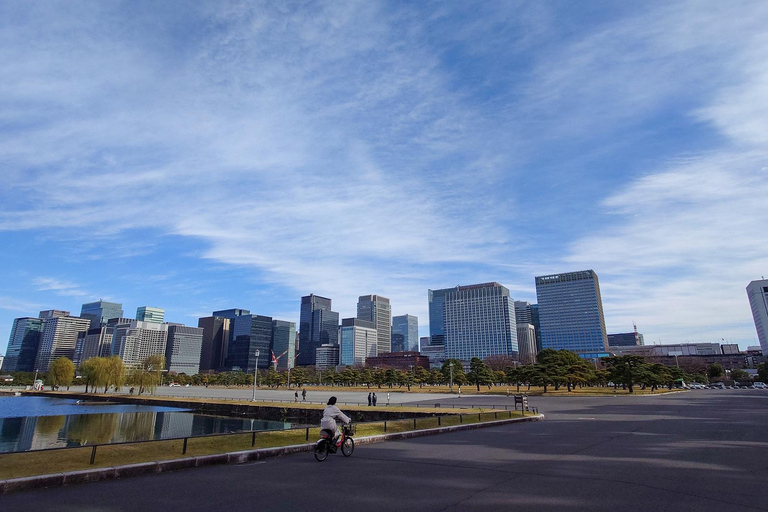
[
  {"x": 387, "y": 397},
  {"x": 369, "y": 400},
  {"x": 373, "y": 399},
  {"x": 296, "y": 396},
  {"x": 304, "y": 394},
  {"x": 459, "y": 391},
  {"x": 507, "y": 392}
]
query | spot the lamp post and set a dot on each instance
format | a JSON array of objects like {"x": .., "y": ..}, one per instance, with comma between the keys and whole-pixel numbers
[
  {"x": 450, "y": 367},
  {"x": 255, "y": 374}
]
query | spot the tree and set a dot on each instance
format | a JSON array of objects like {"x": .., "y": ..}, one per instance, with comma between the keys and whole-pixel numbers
[
  {"x": 479, "y": 373},
  {"x": 455, "y": 366},
  {"x": 762, "y": 372},
  {"x": 61, "y": 372},
  {"x": 626, "y": 370},
  {"x": 147, "y": 376},
  {"x": 739, "y": 375},
  {"x": 115, "y": 373},
  {"x": 715, "y": 371},
  {"x": 94, "y": 371}
]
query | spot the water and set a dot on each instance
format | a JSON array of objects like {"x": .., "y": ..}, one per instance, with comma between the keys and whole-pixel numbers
[{"x": 35, "y": 423}]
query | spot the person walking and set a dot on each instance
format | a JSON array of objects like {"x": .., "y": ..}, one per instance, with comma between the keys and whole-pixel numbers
[
  {"x": 369, "y": 400},
  {"x": 304, "y": 394},
  {"x": 296, "y": 396},
  {"x": 387, "y": 397},
  {"x": 373, "y": 399}
]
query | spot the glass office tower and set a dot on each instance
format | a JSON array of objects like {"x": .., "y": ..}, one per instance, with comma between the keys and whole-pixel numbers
[{"x": 571, "y": 313}]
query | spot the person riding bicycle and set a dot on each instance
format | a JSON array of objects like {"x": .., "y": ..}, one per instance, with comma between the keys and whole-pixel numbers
[{"x": 331, "y": 415}]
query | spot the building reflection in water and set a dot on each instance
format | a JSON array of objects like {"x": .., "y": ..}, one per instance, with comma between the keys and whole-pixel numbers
[{"x": 35, "y": 433}]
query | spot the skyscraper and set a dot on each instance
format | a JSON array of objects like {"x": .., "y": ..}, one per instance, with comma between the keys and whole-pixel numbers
[
  {"x": 376, "y": 309},
  {"x": 284, "y": 343},
  {"x": 523, "y": 312},
  {"x": 757, "y": 292},
  {"x": 436, "y": 299},
  {"x": 96, "y": 342},
  {"x": 479, "y": 322},
  {"x": 182, "y": 350},
  {"x": 359, "y": 341},
  {"x": 100, "y": 311},
  {"x": 571, "y": 313},
  {"x": 247, "y": 334},
  {"x": 406, "y": 326},
  {"x": 318, "y": 326},
  {"x": 134, "y": 341},
  {"x": 59, "y": 339},
  {"x": 22, "y": 345},
  {"x": 213, "y": 352},
  {"x": 536, "y": 322},
  {"x": 150, "y": 314}
]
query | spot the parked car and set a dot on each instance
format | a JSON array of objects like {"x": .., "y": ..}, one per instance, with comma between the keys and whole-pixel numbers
[
  {"x": 174, "y": 385},
  {"x": 759, "y": 385}
]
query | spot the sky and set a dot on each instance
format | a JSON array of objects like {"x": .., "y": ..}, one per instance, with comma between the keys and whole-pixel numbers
[{"x": 198, "y": 156}]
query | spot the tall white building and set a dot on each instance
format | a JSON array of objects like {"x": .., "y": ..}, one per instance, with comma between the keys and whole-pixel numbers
[
  {"x": 135, "y": 341},
  {"x": 359, "y": 341},
  {"x": 757, "y": 291},
  {"x": 479, "y": 322},
  {"x": 377, "y": 309},
  {"x": 59, "y": 338}
]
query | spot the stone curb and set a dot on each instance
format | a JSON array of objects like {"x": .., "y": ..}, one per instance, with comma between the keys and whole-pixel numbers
[{"x": 145, "y": 468}]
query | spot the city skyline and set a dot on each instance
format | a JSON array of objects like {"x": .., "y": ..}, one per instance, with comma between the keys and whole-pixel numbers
[{"x": 225, "y": 155}]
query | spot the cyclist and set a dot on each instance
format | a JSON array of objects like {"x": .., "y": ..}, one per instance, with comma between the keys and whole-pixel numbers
[{"x": 331, "y": 415}]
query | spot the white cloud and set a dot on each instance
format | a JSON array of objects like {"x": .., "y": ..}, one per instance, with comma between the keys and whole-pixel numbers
[{"x": 59, "y": 286}]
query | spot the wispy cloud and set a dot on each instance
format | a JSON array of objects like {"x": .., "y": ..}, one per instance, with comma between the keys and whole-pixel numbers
[{"x": 58, "y": 286}]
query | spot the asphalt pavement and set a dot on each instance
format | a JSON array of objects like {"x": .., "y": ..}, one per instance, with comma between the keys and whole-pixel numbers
[{"x": 700, "y": 450}]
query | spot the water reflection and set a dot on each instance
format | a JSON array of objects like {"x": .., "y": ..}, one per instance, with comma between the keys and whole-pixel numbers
[{"x": 39, "y": 432}]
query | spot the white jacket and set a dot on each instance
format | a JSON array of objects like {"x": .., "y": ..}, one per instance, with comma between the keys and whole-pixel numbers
[{"x": 331, "y": 414}]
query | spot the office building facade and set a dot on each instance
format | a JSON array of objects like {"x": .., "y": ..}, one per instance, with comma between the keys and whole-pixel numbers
[
  {"x": 359, "y": 341},
  {"x": 318, "y": 325},
  {"x": 100, "y": 312},
  {"x": 378, "y": 310},
  {"x": 247, "y": 334},
  {"x": 95, "y": 342},
  {"x": 436, "y": 300},
  {"x": 150, "y": 314},
  {"x": 757, "y": 292},
  {"x": 526, "y": 343},
  {"x": 213, "y": 352},
  {"x": 479, "y": 322},
  {"x": 284, "y": 343},
  {"x": 183, "y": 348},
  {"x": 406, "y": 328},
  {"x": 536, "y": 325},
  {"x": 22, "y": 345},
  {"x": 327, "y": 357},
  {"x": 59, "y": 339},
  {"x": 625, "y": 339},
  {"x": 571, "y": 313},
  {"x": 134, "y": 341}
]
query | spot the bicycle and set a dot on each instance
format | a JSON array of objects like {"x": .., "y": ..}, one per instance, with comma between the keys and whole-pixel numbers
[{"x": 325, "y": 446}]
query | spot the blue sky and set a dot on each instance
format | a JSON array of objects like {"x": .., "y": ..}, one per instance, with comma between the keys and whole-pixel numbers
[{"x": 208, "y": 155}]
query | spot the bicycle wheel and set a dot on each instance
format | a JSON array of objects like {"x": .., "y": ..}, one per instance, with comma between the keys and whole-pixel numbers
[
  {"x": 321, "y": 451},
  {"x": 348, "y": 447}
]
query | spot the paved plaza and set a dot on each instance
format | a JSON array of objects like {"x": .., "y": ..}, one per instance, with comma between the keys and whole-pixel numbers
[{"x": 696, "y": 451}]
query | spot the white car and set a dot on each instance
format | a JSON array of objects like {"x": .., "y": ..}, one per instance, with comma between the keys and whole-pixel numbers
[
  {"x": 759, "y": 385},
  {"x": 174, "y": 385}
]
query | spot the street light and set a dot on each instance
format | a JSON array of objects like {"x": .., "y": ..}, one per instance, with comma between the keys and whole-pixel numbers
[
  {"x": 450, "y": 367},
  {"x": 255, "y": 374}
]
